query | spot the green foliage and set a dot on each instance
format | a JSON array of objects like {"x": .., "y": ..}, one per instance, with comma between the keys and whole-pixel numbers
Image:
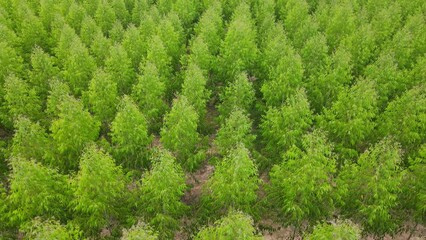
[
  {"x": 139, "y": 231},
  {"x": 88, "y": 30},
  {"x": 149, "y": 94},
  {"x": 102, "y": 96},
  {"x": 315, "y": 56},
  {"x": 298, "y": 22},
  {"x": 100, "y": 48},
  {"x": 20, "y": 99},
  {"x": 170, "y": 31},
  {"x": 236, "y": 225},
  {"x": 283, "y": 127},
  {"x": 338, "y": 231},
  {"x": 105, "y": 16},
  {"x": 233, "y": 184},
  {"x": 252, "y": 75},
  {"x": 78, "y": 67},
  {"x": 42, "y": 69},
  {"x": 179, "y": 133},
  {"x": 238, "y": 51},
  {"x": 236, "y": 129},
  {"x": 119, "y": 65},
  {"x": 10, "y": 62},
  {"x": 134, "y": 45},
  {"x": 58, "y": 92},
  {"x": 201, "y": 56},
  {"x": 414, "y": 186},
  {"x": 36, "y": 190},
  {"x": 157, "y": 55},
  {"x": 284, "y": 79},
  {"x": 50, "y": 230},
  {"x": 323, "y": 90},
  {"x": 350, "y": 120},
  {"x": 194, "y": 89},
  {"x": 187, "y": 10},
  {"x": 338, "y": 21},
  {"x": 302, "y": 185},
  {"x": 238, "y": 94},
  {"x": 369, "y": 189},
  {"x": 160, "y": 198},
  {"x": 30, "y": 140},
  {"x": 71, "y": 131},
  {"x": 405, "y": 118},
  {"x": 210, "y": 27},
  {"x": 129, "y": 135},
  {"x": 98, "y": 189}
]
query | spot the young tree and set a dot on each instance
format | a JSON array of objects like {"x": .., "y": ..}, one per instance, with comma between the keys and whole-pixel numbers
[
  {"x": 301, "y": 186},
  {"x": 369, "y": 189},
  {"x": 187, "y": 10},
  {"x": 74, "y": 16},
  {"x": 323, "y": 90},
  {"x": 201, "y": 56},
  {"x": 30, "y": 140},
  {"x": 58, "y": 92},
  {"x": 350, "y": 120},
  {"x": 105, "y": 16},
  {"x": 116, "y": 33},
  {"x": 10, "y": 62},
  {"x": 157, "y": 55},
  {"x": 272, "y": 46},
  {"x": 149, "y": 93},
  {"x": 283, "y": 127},
  {"x": 340, "y": 230},
  {"x": 337, "y": 21},
  {"x": 79, "y": 67},
  {"x": 119, "y": 65},
  {"x": 138, "y": 231},
  {"x": 284, "y": 79},
  {"x": 51, "y": 230},
  {"x": 389, "y": 79},
  {"x": 238, "y": 51},
  {"x": 210, "y": 27},
  {"x": 134, "y": 45},
  {"x": 43, "y": 68},
  {"x": 405, "y": 119},
  {"x": 238, "y": 94},
  {"x": 236, "y": 129},
  {"x": 71, "y": 131},
  {"x": 298, "y": 22},
  {"x": 413, "y": 193},
  {"x": 236, "y": 225},
  {"x": 129, "y": 135},
  {"x": 88, "y": 30},
  {"x": 31, "y": 33},
  {"x": 20, "y": 99},
  {"x": 102, "y": 96},
  {"x": 160, "y": 197},
  {"x": 179, "y": 133},
  {"x": 36, "y": 190},
  {"x": 100, "y": 48},
  {"x": 315, "y": 56},
  {"x": 233, "y": 184},
  {"x": 171, "y": 33},
  {"x": 194, "y": 89},
  {"x": 98, "y": 189}
]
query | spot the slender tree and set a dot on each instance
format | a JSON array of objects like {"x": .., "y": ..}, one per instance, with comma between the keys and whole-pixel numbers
[
  {"x": 129, "y": 135},
  {"x": 301, "y": 186},
  {"x": 98, "y": 189},
  {"x": 160, "y": 197}
]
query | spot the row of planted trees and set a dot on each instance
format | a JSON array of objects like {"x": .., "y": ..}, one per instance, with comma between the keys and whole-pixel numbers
[{"x": 328, "y": 99}]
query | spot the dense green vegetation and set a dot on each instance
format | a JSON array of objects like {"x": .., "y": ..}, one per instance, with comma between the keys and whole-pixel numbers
[{"x": 309, "y": 113}]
